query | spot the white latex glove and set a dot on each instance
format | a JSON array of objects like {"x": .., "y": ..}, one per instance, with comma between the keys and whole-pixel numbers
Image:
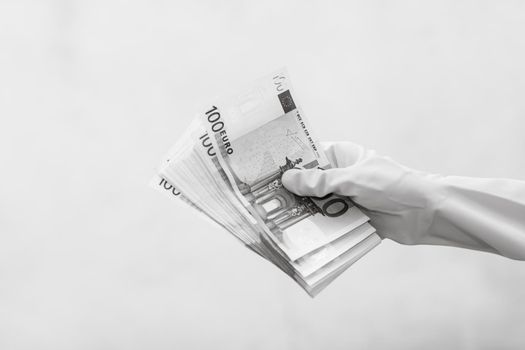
[{"x": 413, "y": 207}]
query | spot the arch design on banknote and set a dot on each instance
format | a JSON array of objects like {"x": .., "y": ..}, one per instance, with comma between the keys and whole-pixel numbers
[{"x": 278, "y": 207}]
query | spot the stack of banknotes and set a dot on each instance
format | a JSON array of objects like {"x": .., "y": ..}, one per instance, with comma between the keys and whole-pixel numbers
[{"x": 228, "y": 166}]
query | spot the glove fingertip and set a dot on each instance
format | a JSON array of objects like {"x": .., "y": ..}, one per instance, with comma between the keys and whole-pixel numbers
[
  {"x": 303, "y": 182},
  {"x": 290, "y": 180}
]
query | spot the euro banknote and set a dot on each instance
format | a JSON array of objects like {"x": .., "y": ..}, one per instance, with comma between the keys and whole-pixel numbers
[{"x": 228, "y": 166}]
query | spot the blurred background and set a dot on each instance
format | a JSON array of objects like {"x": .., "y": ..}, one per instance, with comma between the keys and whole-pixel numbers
[{"x": 93, "y": 93}]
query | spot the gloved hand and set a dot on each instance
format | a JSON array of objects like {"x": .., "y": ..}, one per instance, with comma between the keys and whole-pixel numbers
[{"x": 413, "y": 207}]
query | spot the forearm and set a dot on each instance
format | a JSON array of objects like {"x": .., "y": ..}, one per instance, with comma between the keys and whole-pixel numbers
[{"x": 481, "y": 214}]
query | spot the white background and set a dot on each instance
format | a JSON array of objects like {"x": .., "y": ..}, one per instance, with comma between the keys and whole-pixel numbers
[{"x": 92, "y": 93}]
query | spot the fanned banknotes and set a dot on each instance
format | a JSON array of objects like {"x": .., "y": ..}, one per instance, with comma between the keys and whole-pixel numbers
[{"x": 228, "y": 166}]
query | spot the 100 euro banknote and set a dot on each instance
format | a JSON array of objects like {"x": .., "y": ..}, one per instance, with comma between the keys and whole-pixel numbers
[{"x": 260, "y": 134}]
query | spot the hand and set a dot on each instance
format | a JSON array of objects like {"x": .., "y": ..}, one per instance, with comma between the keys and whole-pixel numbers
[{"x": 399, "y": 201}]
